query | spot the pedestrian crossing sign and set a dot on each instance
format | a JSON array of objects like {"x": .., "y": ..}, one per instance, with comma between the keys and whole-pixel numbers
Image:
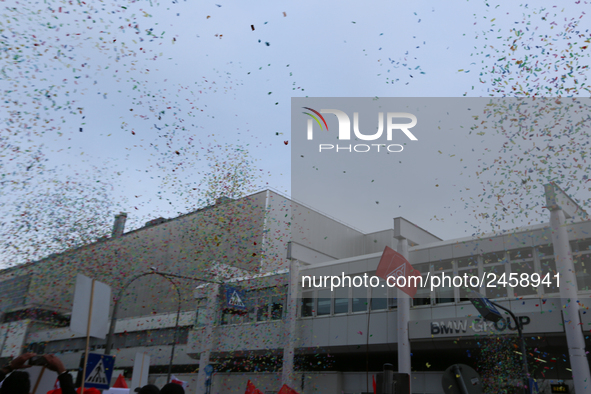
[
  {"x": 99, "y": 370},
  {"x": 235, "y": 299}
]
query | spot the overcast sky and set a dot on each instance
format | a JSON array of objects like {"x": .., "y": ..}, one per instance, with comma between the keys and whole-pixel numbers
[{"x": 225, "y": 73}]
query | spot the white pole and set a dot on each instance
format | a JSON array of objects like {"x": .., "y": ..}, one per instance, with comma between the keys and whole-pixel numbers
[
  {"x": 403, "y": 312},
  {"x": 87, "y": 337},
  {"x": 568, "y": 294},
  {"x": 287, "y": 375},
  {"x": 208, "y": 338}
]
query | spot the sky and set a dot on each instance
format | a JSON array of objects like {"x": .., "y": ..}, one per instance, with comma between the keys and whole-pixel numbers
[{"x": 125, "y": 99}]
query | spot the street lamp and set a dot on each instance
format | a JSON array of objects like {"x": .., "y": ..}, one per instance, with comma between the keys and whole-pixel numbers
[
  {"x": 487, "y": 310},
  {"x": 168, "y": 277}
]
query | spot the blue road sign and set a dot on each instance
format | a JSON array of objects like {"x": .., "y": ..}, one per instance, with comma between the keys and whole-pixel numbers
[
  {"x": 99, "y": 370},
  {"x": 235, "y": 299},
  {"x": 484, "y": 307}
]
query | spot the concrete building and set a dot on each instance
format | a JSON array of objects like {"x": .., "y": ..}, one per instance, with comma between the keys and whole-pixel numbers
[{"x": 312, "y": 338}]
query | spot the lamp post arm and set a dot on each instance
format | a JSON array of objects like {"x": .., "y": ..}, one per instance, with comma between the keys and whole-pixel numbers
[
  {"x": 115, "y": 309},
  {"x": 166, "y": 275}
]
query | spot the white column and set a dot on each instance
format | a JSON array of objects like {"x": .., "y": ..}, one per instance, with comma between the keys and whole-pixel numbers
[
  {"x": 403, "y": 312},
  {"x": 568, "y": 294},
  {"x": 208, "y": 338},
  {"x": 287, "y": 376}
]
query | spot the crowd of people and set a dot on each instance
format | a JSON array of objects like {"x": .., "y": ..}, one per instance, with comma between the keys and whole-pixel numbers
[{"x": 16, "y": 381}]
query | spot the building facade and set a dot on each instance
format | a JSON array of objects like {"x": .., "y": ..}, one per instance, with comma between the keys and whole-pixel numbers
[{"x": 304, "y": 333}]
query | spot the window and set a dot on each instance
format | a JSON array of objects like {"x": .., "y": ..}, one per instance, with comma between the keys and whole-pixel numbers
[
  {"x": 277, "y": 305},
  {"x": 525, "y": 268},
  {"x": 521, "y": 263},
  {"x": 393, "y": 301},
  {"x": 231, "y": 317},
  {"x": 307, "y": 303},
  {"x": 494, "y": 258},
  {"x": 492, "y": 288},
  {"x": 268, "y": 303},
  {"x": 359, "y": 299},
  {"x": 423, "y": 295},
  {"x": 548, "y": 267},
  {"x": 379, "y": 296},
  {"x": 467, "y": 262},
  {"x": 582, "y": 263},
  {"x": 466, "y": 290},
  {"x": 262, "y": 308},
  {"x": 323, "y": 302},
  {"x": 444, "y": 293},
  {"x": 262, "y": 305},
  {"x": 341, "y": 300}
]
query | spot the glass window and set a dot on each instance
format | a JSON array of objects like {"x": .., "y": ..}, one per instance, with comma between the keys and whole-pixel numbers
[
  {"x": 134, "y": 339},
  {"x": 341, "y": 300},
  {"x": 393, "y": 302},
  {"x": 445, "y": 293},
  {"x": 548, "y": 266},
  {"x": 359, "y": 299},
  {"x": 520, "y": 254},
  {"x": 527, "y": 268},
  {"x": 499, "y": 291},
  {"x": 263, "y": 305},
  {"x": 231, "y": 317},
  {"x": 492, "y": 258},
  {"x": 423, "y": 295},
  {"x": 442, "y": 265},
  {"x": 277, "y": 305},
  {"x": 466, "y": 290},
  {"x": 546, "y": 251},
  {"x": 323, "y": 302},
  {"x": 379, "y": 296},
  {"x": 307, "y": 304},
  {"x": 470, "y": 261},
  {"x": 582, "y": 266},
  {"x": 585, "y": 245},
  {"x": 422, "y": 268}
]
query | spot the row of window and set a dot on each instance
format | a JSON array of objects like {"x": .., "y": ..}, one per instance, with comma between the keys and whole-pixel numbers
[
  {"x": 161, "y": 337},
  {"x": 540, "y": 260},
  {"x": 262, "y": 305}
]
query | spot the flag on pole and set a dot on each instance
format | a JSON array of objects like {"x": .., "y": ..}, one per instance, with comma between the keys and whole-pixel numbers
[
  {"x": 251, "y": 389},
  {"x": 120, "y": 382},
  {"x": 392, "y": 266},
  {"x": 285, "y": 389},
  {"x": 175, "y": 380}
]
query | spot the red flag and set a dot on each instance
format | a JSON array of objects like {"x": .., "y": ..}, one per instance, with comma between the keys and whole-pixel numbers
[
  {"x": 251, "y": 389},
  {"x": 120, "y": 383},
  {"x": 393, "y": 265},
  {"x": 285, "y": 389},
  {"x": 373, "y": 378},
  {"x": 89, "y": 390}
]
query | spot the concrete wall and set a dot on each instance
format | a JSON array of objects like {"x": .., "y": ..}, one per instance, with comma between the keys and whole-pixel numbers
[{"x": 229, "y": 233}]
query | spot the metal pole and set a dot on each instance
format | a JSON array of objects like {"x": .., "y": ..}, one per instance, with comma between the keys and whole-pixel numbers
[
  {"x": 403, "y": 314},
  {"x": 176, "y": 326},
  {"x": 460, "y": 379},
  {"x": 115, "y": 308},
  {"x": 523, "y": 353},
  {"x": 109, "y": 343}
]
